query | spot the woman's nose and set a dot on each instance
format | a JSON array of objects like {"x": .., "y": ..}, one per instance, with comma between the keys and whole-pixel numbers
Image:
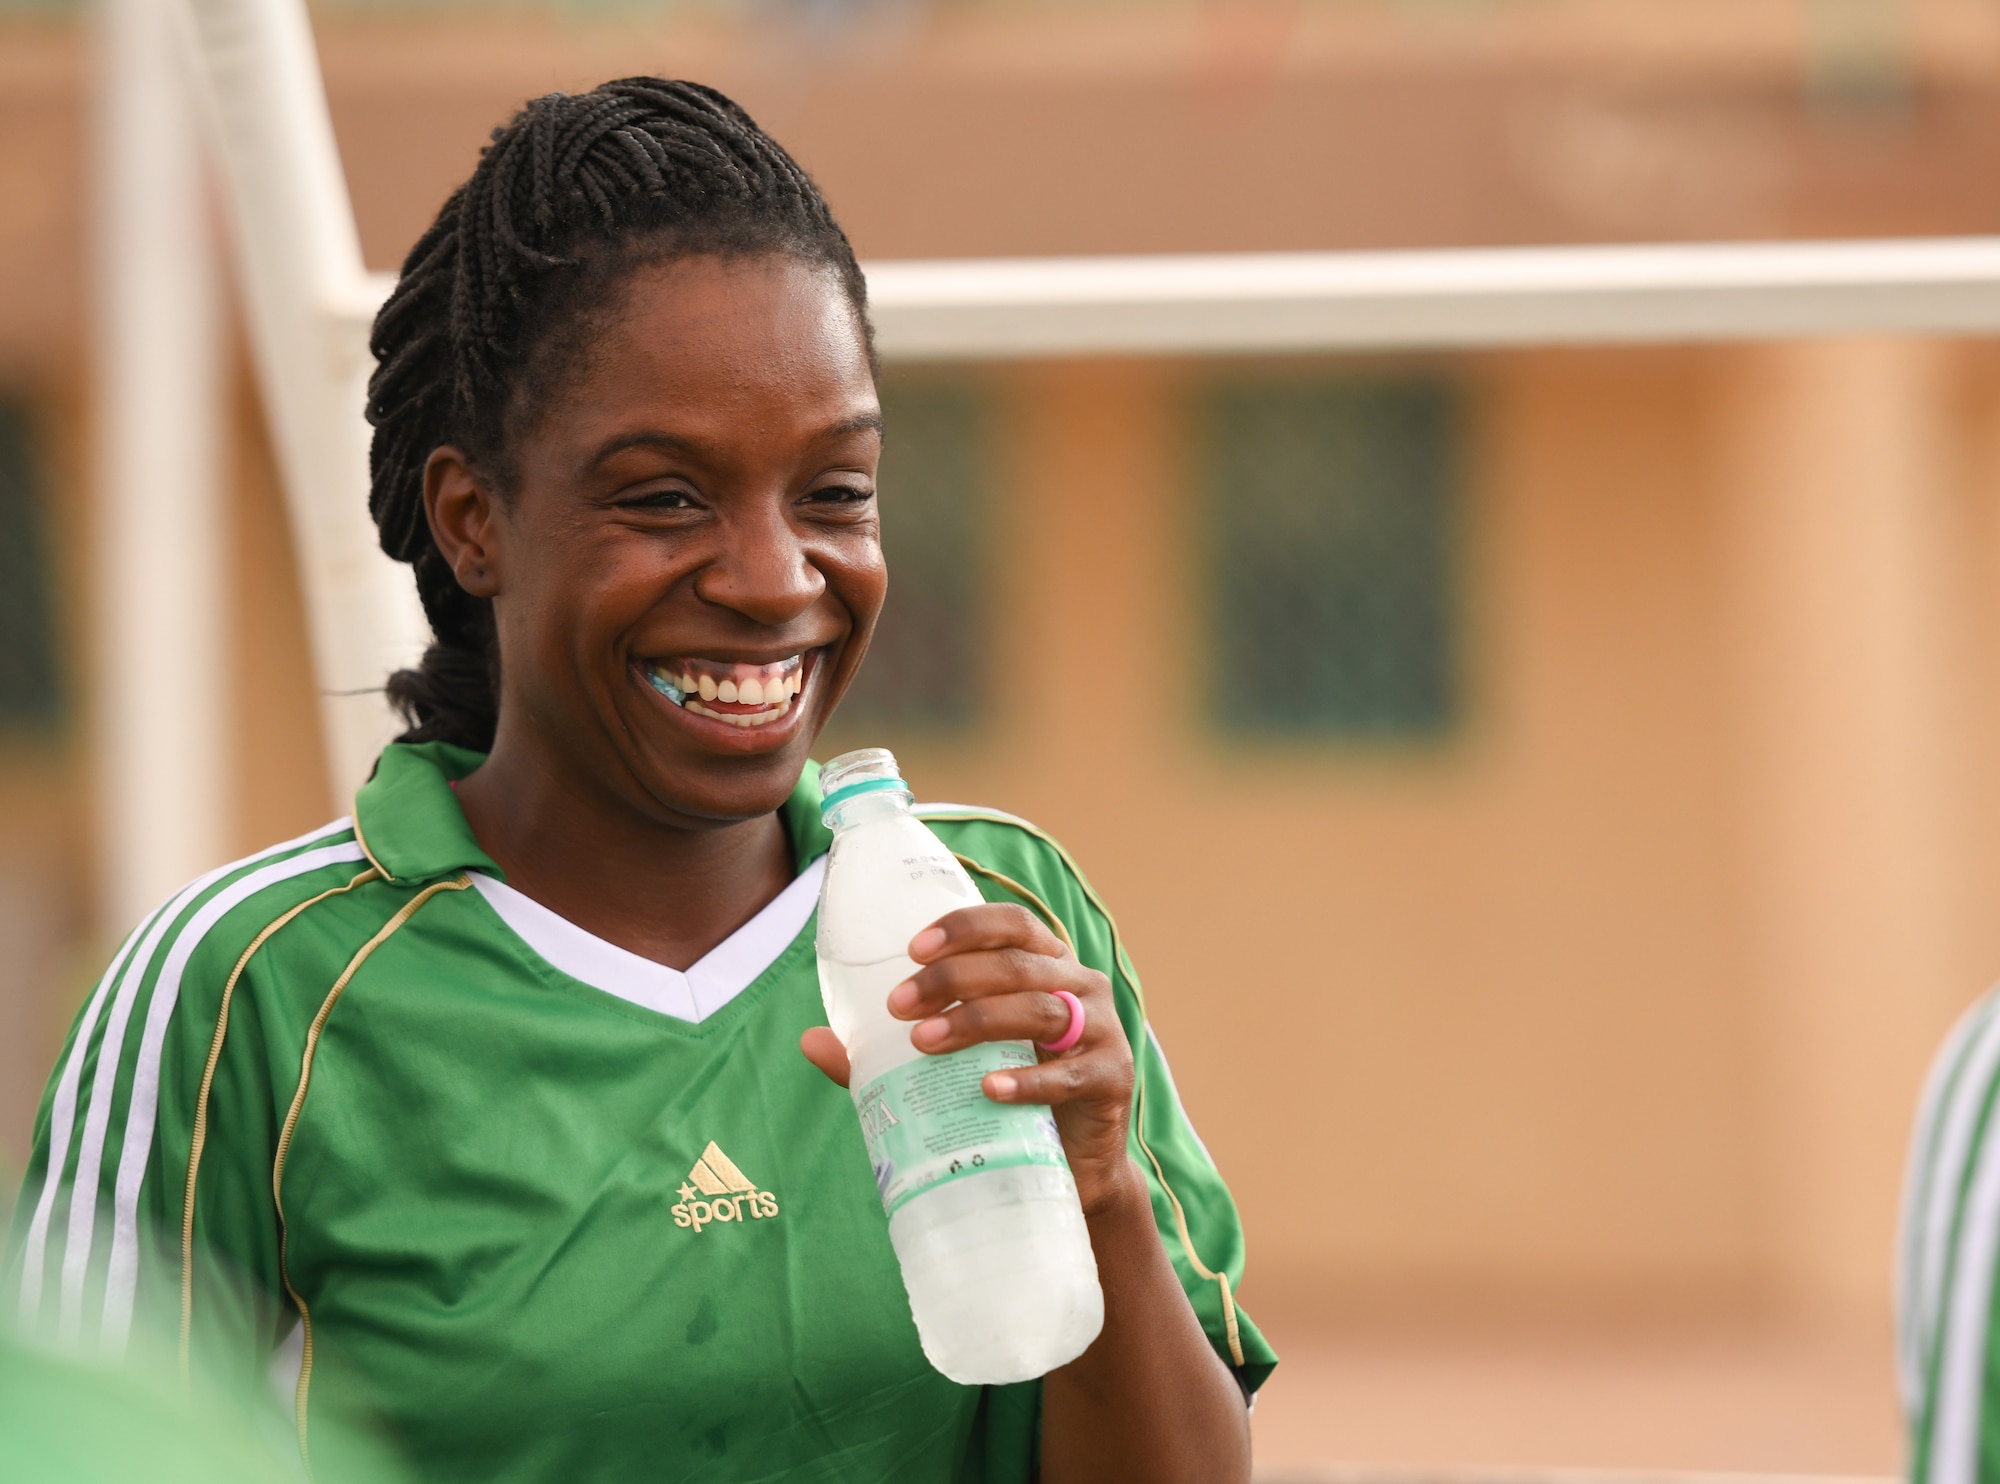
[{"x": 763, "y": 572}]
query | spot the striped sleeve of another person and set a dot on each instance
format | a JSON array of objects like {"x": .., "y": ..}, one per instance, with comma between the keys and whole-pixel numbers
[{"x": 1947, "y": 1251}]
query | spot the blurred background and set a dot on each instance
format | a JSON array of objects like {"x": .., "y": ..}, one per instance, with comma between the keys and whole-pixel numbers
[{"x": 1552, "y": 797}]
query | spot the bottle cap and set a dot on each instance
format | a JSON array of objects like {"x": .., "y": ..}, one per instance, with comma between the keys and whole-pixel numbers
[{"x": 860, "y": 772}]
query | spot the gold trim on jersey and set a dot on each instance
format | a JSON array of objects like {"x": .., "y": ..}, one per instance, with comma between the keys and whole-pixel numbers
[
  {"x": 362, "y": 841},
  {"x": 199, "y": 1141},
  {"x": 1008, "y": 883},
  {"x": 1123, "y": 964},
  {"x": 387, "y": 931}
]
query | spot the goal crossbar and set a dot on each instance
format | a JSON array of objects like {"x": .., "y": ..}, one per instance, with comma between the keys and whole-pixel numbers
[
  {"x": 1242, "y": 303},
  {"x": 1452, "y": 299}
]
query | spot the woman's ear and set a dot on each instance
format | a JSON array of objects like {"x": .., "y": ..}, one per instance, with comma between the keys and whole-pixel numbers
[{"x": 464, "y": 520}]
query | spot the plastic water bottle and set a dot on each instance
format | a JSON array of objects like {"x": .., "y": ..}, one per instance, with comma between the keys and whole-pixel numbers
[{"x": 983, "y": 1213}]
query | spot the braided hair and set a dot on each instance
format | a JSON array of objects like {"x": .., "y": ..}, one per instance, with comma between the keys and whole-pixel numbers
[{"x": 498, "y": 299}]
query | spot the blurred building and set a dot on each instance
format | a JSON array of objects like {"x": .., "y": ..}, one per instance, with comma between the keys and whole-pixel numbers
[{"x": 1549, "y": 795}]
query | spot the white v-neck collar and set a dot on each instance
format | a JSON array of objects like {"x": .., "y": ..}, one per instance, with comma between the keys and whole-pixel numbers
[{"x": 723, "y": 973}]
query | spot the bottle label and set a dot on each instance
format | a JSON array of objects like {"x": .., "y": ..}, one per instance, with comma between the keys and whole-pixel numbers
[{"x": 927, "y": 1123}]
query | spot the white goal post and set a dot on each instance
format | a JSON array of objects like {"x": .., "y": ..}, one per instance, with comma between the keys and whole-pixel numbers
[
  {"x": 1252, "y": 303},
  {"x": 254, "y": 73},
  {"x": 1246, "y": 303}
]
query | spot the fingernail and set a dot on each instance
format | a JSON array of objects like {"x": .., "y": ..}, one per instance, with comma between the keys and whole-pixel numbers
[
  {"x": 1000, "y": 1085},
  {"x": 931, "y": 1031},
  {"x": 929, "y": 941},
  {"x": 903, "y": 998}
]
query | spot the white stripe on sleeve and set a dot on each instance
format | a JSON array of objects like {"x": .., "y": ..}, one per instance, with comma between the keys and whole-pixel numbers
[
  {"x": 122, "y": 1276},
  {"x": 62, "y": 1124},
  {"x": 82, "y": 1227},
  {"x": 1001, "y": 815}
]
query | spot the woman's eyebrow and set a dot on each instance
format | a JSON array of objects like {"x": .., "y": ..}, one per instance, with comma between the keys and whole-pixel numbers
[
  {"x": 863, "y": 422},
  {"x": 671, "y": 442}
]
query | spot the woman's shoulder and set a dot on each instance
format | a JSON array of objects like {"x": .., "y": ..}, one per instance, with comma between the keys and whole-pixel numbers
[
  {"x": 1024, "y": 859},
  {"x": 223, "y": 911},
  {"x": 996, "y": 838}
]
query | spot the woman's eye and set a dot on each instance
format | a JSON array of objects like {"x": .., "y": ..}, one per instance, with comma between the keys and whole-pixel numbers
[
  {"x": 660, "y": 500},
  {"x": 840, "y": 494}
]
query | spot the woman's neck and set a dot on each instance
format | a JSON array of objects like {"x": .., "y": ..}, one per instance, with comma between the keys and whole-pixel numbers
[{"x": 666, "y": 892}]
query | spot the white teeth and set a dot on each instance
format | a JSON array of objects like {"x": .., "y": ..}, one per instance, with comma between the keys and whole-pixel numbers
[{"x": 771, "y": 686}]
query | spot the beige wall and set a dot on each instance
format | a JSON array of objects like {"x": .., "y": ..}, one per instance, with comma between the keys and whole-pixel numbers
[
  {"x": 1244, "y": 124},
  {"x": 1455, "y": 1015},
  {"x": 1623, "y": 993}
]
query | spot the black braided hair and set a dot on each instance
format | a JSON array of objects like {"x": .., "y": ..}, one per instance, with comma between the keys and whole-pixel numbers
[{"x": 497, "y": 300}]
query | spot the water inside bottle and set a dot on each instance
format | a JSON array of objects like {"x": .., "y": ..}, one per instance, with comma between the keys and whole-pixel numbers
[{"x": 983, "y": 1212}]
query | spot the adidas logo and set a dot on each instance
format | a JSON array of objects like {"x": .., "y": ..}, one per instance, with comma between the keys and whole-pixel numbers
[{"x": 715, "y": 1190}]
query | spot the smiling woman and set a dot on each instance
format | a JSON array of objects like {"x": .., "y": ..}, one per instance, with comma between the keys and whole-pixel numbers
[{"x": 466, "y": 1084}]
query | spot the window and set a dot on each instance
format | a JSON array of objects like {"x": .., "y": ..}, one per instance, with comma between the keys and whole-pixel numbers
[
  {"x": 925, "y": 669},
  {"x": 30, "y": 693},
  {"x": 1330, "y": 507}
]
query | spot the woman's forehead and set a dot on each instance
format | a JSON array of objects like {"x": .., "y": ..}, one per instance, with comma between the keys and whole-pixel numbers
[
  {"x": 730, "y": 322},
  {"x": 707, "y": 351}
]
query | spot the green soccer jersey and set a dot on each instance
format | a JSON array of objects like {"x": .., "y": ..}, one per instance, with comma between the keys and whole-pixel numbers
[{"x": 537, "y": 1207}]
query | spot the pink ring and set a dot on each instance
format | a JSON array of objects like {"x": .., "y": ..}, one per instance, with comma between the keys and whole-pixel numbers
[{"x": 1075, "y": 1032}]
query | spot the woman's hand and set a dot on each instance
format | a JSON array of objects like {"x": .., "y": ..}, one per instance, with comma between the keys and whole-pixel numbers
[{"x": 990, "y": 973}]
